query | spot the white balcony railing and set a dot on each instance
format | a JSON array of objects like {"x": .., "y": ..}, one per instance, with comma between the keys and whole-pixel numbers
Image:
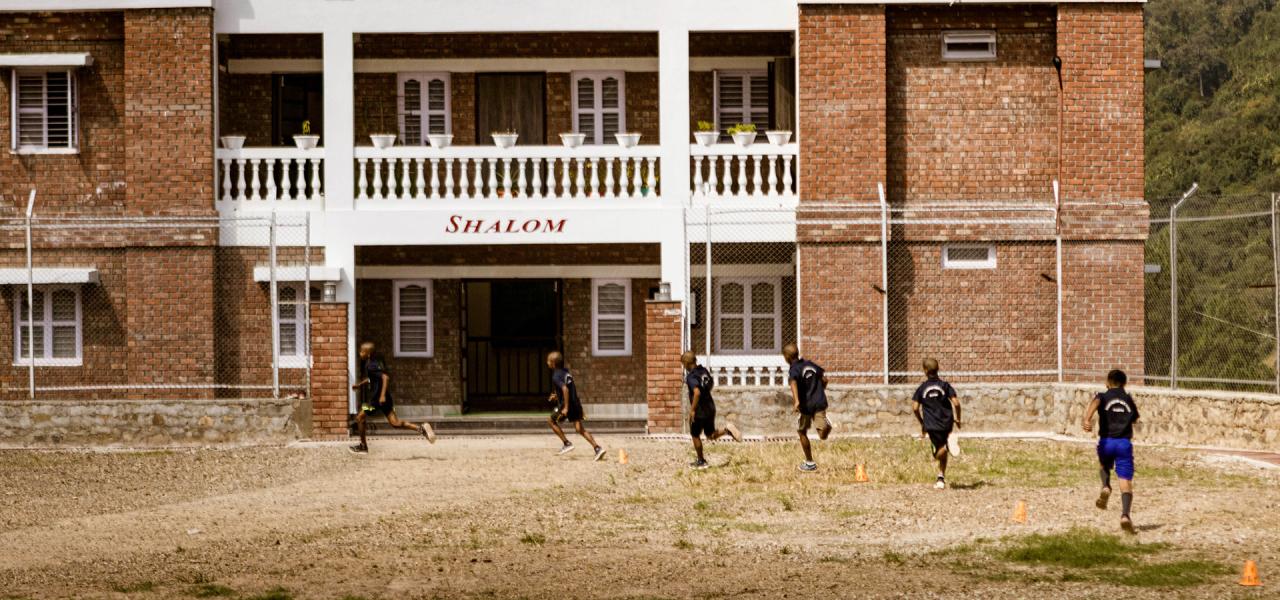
[
  {"x": 270, "y": 178},
  {"x": 758, "y": 170},
  {"x": 746, "y": 370},
  {"x": 540, "y": 172}
]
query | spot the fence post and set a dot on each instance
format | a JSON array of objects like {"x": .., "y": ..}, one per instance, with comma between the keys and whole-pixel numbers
[
  {"x": 31, "y": 321},
  {"x": 1057, "y": 226},
  {"x": 306, "y": 295},
  {"x": 884, "y": 281},
  {"x": 707, "y": 291},
  {"x": 1275, "y": 267},
  {"x": 1173, "y": 285},
  {"x": 275, "y": 313}
]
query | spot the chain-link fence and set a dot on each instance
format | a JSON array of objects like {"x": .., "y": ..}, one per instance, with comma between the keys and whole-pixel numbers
[
  {"x": 157, "y": 307},
  {"x": 1222, "y": 289}
]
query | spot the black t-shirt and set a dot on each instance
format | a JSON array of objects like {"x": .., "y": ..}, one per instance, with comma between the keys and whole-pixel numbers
[
  {"x": 1116, "y": 414},
  {"x": 934, "y": 397},
  {"x": 560, "y": 380},
  {"x": 700, "y": 379},
  {"x": 808, "y": 376},
  {"x": 374, "y": 368}
]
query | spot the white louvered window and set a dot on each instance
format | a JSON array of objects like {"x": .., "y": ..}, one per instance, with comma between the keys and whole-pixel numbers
[
  {"x": 292, "y": 310},
  {"x": 412, "y": 310},
  {"x": 742, "y": 97},
  {"x": 749, "y": 316},
  {"x": 423, "y": 105},
  {"x": 611, "y": 317},
  {"x": 49, "y": 330},
  {"x": 599, "y": 105},
  {"x": 45, "y": 111}
]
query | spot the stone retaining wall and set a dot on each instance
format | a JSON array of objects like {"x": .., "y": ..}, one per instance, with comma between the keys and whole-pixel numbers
[
  {"x": 1200, "y": 418},
  {"x": 148, "y": 422}
]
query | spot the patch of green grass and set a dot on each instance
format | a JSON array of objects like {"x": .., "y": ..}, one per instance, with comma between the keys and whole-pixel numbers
[
  {"x": 133, "y": 588},
  {"x": 787, "y": 504},
  {"x": 702, "y": 506},
  {"x": 350, "y": 597},
  {"x": 683, "y": 544},
  {"x": 785, "y": 550},
  {"x": 1077, "y": 548},
  {"x": 276, "y": 593},
  {"x": 211, "y": 590},
  {"x": 1183, "y": 573},
  {"x": 533, "y": 539},
  {"x": 894, "y": 557}
]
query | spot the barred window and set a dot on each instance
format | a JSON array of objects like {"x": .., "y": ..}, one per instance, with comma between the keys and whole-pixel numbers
[
  {"x": 49, "y": 329},
  {"x": 45, "y": 111},
  {"x": 611, "y": 317},
  {"x": 413, "y": 326}
]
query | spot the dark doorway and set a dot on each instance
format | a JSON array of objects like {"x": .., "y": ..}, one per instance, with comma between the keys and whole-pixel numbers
[
  {"x": 511, "y": 325},
  {"x": 296, "y": 98},
  {"x": 511, "y": 101}
]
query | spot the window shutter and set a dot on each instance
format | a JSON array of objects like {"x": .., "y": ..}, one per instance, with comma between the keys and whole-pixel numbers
[
  {"x": 587, "y": 108},
  {"x": 611, "y": 312},
  {"x": 437, "y": 106},
  {"x": 411, "y": 111},
  {"x": 423, "y": 102},
  {"x": 31, "y": 110},
  {"x": 413, "y": 319},
  {"x": 742, "y": 97}
]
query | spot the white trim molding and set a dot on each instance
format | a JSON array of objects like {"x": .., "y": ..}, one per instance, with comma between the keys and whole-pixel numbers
[
  {"x": 52, "y": 60},
  {"x": 262, "y": 273},
  {"x": 968, "y": 262},
  {"x": 263, "y": 66},
  {"x": 427, "y": 317},
  {"x": 509, "y": 271},
  {"x": 82, "y": 5},
  {"x": 613, "y": 316},
  {"x": 49, "y": 276}
]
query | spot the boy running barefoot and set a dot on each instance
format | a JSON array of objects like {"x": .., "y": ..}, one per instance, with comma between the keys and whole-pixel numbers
[
  {"x": 702, "y": 407},
  {"x": 376, "y": 384},
  {"x": 1116, "y": 416},
  {"x": 809, "y": 398},
  {"x": 937, "y": 409},
  {"x": 564, "y": 393}
]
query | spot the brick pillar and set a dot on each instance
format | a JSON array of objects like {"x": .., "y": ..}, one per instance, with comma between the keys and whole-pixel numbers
[
  {"x": 329, "y": 377},
  {"x": 663, "y": 373}
]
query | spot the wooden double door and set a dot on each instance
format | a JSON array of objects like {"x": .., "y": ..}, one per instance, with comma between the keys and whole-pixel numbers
[{"x": 512, "y": 102}]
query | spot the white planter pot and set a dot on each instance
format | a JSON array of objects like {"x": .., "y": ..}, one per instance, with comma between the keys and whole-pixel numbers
[
  {"x": 233, "y": 142},
  {"x": 778, "y": 138},
  {"x": 627, "y": 140},
  {"x": 440, "y": 140},
  {"x": 306, "y": 142},
  {"x": 504, "y": 140},
  {"x": 382, "y": 141},
  {"x": 572, "y": 140},
  {"x": 744, "y": 139},
  {"x": 706, "y": 138}
]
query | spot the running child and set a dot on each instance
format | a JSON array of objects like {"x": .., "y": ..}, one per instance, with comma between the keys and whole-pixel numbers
[
  {"x": 1116, "y": 415},
  {"x": 564, "y": 393},
  {"x": 376, "y": 397},
  {"x": 702, "y": 408},
  {"x": 938, "y": 410},
  {"x": 809, "y": 398}
]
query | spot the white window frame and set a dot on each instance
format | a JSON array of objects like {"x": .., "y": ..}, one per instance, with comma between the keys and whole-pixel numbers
[
  {"x": 424, "y": 78},
  {"x": 47, "y": 322},
  {"x": 398, "y": 285},
  {"x": 749, "y": 104},
  {"x": 950, "y": 263},
  {"x": 968, "y": 37},
  {"x": 598, "y": 110},
  {"x": 302, "y": 359},
  {"x": 747, "y": 315},
  {"x": 73, "y": 113},
  {"x": 596, "y": 317}
]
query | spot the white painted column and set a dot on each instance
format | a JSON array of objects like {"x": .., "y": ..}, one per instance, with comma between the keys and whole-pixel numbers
[
  {"x": 673, "y": 134},
  {"x": 339, "y": 119},
  {"x": 674, "y": 253}
]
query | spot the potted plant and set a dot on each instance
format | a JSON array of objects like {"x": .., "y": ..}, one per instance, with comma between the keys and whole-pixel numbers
[
  {"x": 706, "y": 133},
  {"x": 233, "y": 141},
  {"x": 305, "y": 140},
  {"x": 743, "y": 134},
  {"x": 381, "y": 139},
  {"x": 440, "y": 141},
  {"x": 627, "y": 139},
  {"x": 778, "y": 137},
  {"x": 572, "y": 140},
  {"x": 505, "y": 138}
]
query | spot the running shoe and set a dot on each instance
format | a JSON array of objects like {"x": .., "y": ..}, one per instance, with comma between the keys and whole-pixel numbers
[
  {"x": 940, "y": 484},
  {"x": 599, "y": 453},
  {"x": 808, "y": 466},
  {"x": 567, "y": 448},
  {"x": 427, "y": 432},
  {"x": 1127, "y": 524},
  {"x": 1103, "y": 497},
  {"x": 733, "y": 432},
  {"x": 359, "y": 449},
  {"x": 699, "y": 465}
]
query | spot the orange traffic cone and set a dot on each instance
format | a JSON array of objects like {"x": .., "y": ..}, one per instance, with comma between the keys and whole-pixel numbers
[
  {"x": 622, "y": 457},
  {"x": 1250, "y": 577},
  {"x": 1020, "y": 512},
  {"x": 860, "y": 474}
]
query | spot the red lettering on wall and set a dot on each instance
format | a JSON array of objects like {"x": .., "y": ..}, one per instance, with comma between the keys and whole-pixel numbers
[{"x": 460, "y": 224}]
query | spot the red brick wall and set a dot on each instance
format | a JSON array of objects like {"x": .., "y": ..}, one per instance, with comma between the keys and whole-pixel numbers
[
  {"x": 840, "y": 309},
  {"x": 436, "y": 380},
  {"x": 169, "y": 317},
  {"x": 244, "y": 107},
  {"x": 663, "y": 371},
  {"x": 69, "y": 183},
  {"x": 1103, "y": 307},
  {"x": 971, "y": 130},
  {"x": 330, "y": 381},
  {"x": 169, "y": 119},
  {"x": 604, "y": 379}
]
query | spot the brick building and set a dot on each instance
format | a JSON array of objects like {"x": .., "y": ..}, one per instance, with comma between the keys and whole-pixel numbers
[{"x": 466, "y": 260}]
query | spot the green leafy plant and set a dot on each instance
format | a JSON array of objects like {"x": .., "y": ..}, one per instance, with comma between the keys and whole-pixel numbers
[
  {"x": 742, "y": 128},
  {"x": 706, "y": 126},
  {"x": 306, "y": 128}
]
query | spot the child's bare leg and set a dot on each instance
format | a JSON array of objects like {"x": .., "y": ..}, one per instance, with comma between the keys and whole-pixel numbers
[
  {"x": 942, "y": 462},
  {"x": 717, "y": 434},
  {"x": 804, "y": 444},
  {"x": 697, "y": 446},
  {"x": 360, "y": 426},
  {"x": 556, "y": 428},
  {"x": 582, "y": 431},
  {"x": 395, "y": 421}
]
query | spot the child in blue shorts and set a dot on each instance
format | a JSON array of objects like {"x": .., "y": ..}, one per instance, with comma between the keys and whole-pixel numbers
[{"x": 1116, "y": 416}]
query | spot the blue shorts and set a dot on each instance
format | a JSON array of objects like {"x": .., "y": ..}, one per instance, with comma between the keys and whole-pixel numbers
[{"x": 1117, "y": 453}]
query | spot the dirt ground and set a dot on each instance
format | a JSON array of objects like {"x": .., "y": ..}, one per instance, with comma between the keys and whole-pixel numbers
[{"x": 507, "y": 518}]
